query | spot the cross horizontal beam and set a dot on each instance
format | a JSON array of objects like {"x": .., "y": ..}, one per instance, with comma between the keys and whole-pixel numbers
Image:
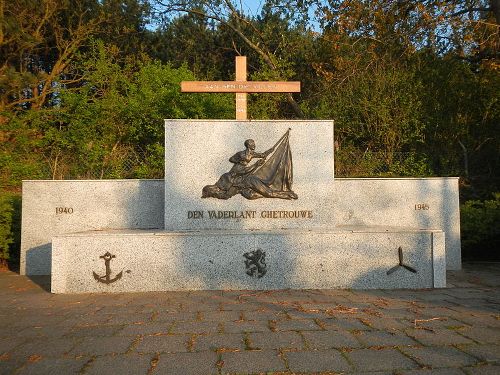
[{"x": 240, "y": 86}]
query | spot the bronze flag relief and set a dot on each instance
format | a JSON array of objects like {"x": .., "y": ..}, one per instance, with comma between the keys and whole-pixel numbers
[{"x": 271, "y": 176}]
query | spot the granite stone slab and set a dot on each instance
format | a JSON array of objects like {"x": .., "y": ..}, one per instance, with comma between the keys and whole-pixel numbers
[
  {"x": 196, "y": 260},
  {"x": 411, "y": 202},
  {"x": 51, "y": 208},
  {"x": 197, "y": 153}
]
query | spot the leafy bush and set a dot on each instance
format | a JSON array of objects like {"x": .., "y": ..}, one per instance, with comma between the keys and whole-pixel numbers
[
  {"x": 6, "y": 239},
  {"x": 480, "y": 228}
]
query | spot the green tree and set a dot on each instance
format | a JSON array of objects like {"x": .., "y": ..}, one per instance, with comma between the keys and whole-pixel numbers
[
  {"x": 228, "y": 16},
  {"x": 39, "y": 40},
  {"x": 111, "y": 126}
]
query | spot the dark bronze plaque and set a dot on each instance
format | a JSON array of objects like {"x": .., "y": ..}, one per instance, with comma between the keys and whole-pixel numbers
[{"x": 269, "y": 177}]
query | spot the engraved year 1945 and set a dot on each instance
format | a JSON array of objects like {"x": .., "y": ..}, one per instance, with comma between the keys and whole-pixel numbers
[
  {"x": 421, "y": 206},
  {"x": 64, "y": 210}
]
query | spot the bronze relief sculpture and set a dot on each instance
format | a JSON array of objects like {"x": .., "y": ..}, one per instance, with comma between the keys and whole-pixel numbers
[{"x": 269, "y": 177}]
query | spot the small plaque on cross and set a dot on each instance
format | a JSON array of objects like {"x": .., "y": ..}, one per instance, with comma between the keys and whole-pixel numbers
[{"x": 240, "y": 86}]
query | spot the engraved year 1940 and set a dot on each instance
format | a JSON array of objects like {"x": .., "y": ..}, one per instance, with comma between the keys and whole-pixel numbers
[{"x": 64, "y": 210}]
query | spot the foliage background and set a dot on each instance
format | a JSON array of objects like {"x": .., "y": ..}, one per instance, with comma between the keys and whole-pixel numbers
[{"x": 413, "y": 87}]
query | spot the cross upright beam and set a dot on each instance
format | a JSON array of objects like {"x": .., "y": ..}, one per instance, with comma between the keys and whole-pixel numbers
[
  {"x": 241, "y": 97},
  {"x": 240, "y": 86}
]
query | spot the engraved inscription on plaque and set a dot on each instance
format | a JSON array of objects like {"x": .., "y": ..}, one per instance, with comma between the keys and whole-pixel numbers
[
  {"x": 271, "y": 176},
  {"x": 421, "y": 207},
  {"x": 250, "y": 214},
  {"x": 64, "y": 210}
]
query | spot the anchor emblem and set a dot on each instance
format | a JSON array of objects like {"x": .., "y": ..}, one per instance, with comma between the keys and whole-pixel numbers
[
  {"x": 106, "y": 279},
  {"x": 401, "y": 264}
]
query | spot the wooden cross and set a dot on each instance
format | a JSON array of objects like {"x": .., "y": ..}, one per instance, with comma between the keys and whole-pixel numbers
[{"x": 240, "y": 86}]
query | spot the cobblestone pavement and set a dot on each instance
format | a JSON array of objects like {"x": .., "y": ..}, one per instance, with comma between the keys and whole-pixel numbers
[{"x": 444, "y": 331}]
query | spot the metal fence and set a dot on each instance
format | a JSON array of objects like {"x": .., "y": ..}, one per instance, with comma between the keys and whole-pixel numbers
[
  {"x": 348, "y": 163},
  {"x": 357, "y": 163}
]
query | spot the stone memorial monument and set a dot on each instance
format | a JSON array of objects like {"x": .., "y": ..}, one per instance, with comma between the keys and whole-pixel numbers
[{"x": 244, "y": 205}]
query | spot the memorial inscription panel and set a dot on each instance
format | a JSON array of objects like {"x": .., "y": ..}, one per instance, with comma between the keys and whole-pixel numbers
[{"x": 249, "y": 164}]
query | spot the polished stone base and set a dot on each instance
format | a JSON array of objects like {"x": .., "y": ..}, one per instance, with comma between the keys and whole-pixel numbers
[{"x": 345, "y": 257}]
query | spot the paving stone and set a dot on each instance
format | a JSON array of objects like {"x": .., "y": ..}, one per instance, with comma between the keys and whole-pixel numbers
[
  {"x": 486, "y": 353},
  {"x": 308, "y": 314},
  {"x": 120, "y": 364},
  {"x": 483, "y": 370},
  {"x": 483, "y": 320},
  {"x": 432, "y": 311},
  {"x": 384, "y": 323},
  {"x": 380, "y": 360},
  {"x": 195, "y": 327},
  {"x": 437, "y": 371},
  {"x": 439, "y": 356},
  {"x": 38, "y": 320},
  {"x": 402, "y": 313},
  {"x": 10, "y": 331},
  {"x": 349, "y": 324},
  {"x": 45, "y": 347},
  {"x": 249, "y": 306},
  {"x": 270, "y": 340},
  {"x": 438, "y": 323},
  {"x": 220, "y": 316},
  {"x": 482, "y": 304},
  {"x": 383, "y": 338},
  {"x": 482, "y": 335},
  {"x": 7, "y": 344},
  {"x": 130, "y": 318},
  {"x": 169, "y": 344},
  {"x": 91, "y": 319},
  {"x": 330, "y": 339},
  {"x": 165, "y": 316},
  {"x": 317, "y": 361},
  {"x": 48, "y": 331},
  {"x": 265, "y": 315},
  {"x": 102, "y": 345},
  {"x": 252, "y": 362},
  {"x": 435, "y": 296},
  {"x": 387, "y": 303},
  {"x": 202, "y": 363},
  {"x": 93, "y": 331},
  {"x": 51, "y": 366},
  {"x": 119, "y": 310},
  {"x": 8, "y": 364},
  {"x": 297, "y": 325},
  {"x": 219, "y": 342},
  {"x": 146, "y": 329},
  {"x": 332, "y": 300},
  {"x": 437, "y": 337},
  {"x": 194, "y": 307},
  {"x": 140, "y": 299},
  {"x": 478, "y": 320},
  {"x": 294, "y": 299},
  {"x": 337, "y": 292},
  {"x": 244, "y": 326}
]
